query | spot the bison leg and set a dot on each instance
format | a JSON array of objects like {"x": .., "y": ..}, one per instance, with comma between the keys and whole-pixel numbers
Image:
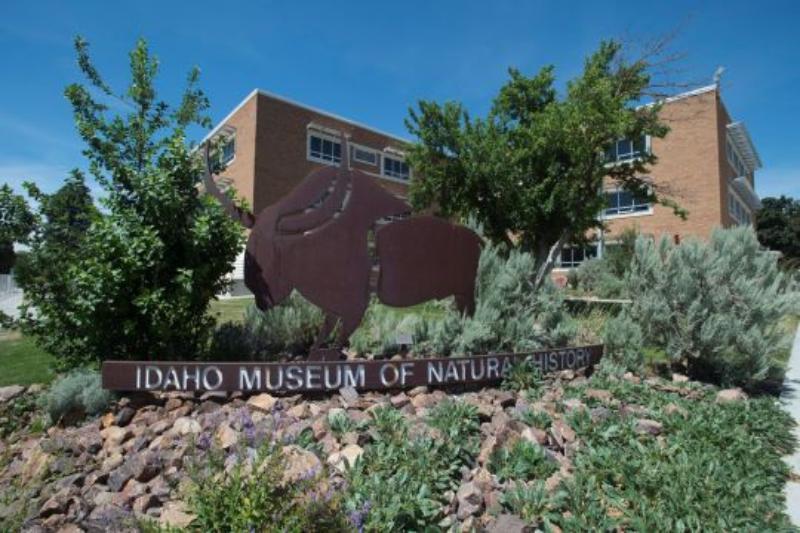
[
  {"x": 318, "y": 353},
  {"x": 465, "y": 304}
]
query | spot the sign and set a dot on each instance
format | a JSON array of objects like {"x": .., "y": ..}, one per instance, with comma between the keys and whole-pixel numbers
[{"x": 308, "y": 376}]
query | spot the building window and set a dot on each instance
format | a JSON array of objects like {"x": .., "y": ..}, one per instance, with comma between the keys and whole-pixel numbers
[
  {"x": 228, "y": 150},
  {"x": 573, "y": 256},
  {"x": 735, "y": 161},
  {"x": 395, "y": 168},
  {"x": 738, "y": 212},
  {"x": 364, "y": 155},
  {"x": 324, "y": 149},
  {"x": 622, "y": 202},
  {"x": 626, "y": 149}
]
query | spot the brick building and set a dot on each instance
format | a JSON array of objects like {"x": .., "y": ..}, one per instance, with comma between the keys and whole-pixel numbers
[
  {"x": 706, "y": 163},
  {"x": 272, "y": 143}
]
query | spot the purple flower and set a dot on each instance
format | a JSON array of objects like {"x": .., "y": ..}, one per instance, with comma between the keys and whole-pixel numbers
[
  {"x": 248, "y": 427},
  {"x": 358, "y": 517},
  {"x": 204, "y": 441}
]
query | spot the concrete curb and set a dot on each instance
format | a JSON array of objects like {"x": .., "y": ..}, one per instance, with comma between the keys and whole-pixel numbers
[{"x": 791, "y": 403}]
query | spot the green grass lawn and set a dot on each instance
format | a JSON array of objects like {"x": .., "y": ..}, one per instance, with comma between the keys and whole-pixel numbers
[
  {"x": 230, "y": 310},
  {"x": 23, "y": 362}
]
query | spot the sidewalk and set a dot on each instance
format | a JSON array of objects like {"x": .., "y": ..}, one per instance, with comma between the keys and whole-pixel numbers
[{"x": 791, "y": 400}]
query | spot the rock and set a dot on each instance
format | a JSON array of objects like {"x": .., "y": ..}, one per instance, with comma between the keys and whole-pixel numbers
[
  {"x": 112, "y": 461},
  {"x": 107, "y": 420},
  {"x": 416, "y": 391},
  {"x": 470, "y": 500},
  {"x": 671, "y": 409},
  {"x": 399, "y": 401},
  {"x": 186, "y": 426},
  {"x": 598, "y": 394},
  {"x": 10, "y": 392},
  {"x": 646, "y": 426},
  {"x": 145, "y": 466},
  {"x": 226, "y": 436},
  {"x": 262, "y": 402},
  {"x": 119, "y": 477},
  {"x": 599, "y": 414},
  {"x": 349, "y": 395},
  {"x": 301, "y": 410},
  {"x": 103, "y": 497},
  {"x": 731, "y": 395},
  {"x": 504, "y": 398},
  {"x": 534, "y": 435},
  {"x": 488, "y": 447},
  {"x": 572, "y": 405},
  {"x": 320, "y": 428},
  {"x": 144, "y": 502},
  {"x": 56, "y": 504},
  {"x": 631, "y": 378},
  {"x": 173, "y": 403},
  {"x": 124, "y": 416},
  {"x": 561, "y": 432},
  {"x": 300, "y": 464},
  {"x": 174, "y": 514},
  {"x": 552, "y": 482},
  {"x": 114, "y": 436},
  {"x": 103, "y": 515},
  {"x": 423, "y": 401},
  {"x": 346, "y": 457},
  {"x": 679, "y": 378},
  {"x": 632, "y": 409},
  {"x": 485, "y": 410},
  {"x": 36, "y": 465},
  {"x": 509, "y": 523}
]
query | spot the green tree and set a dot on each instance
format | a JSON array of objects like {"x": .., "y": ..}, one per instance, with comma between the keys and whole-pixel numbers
[
  {"x": 141, "y": 279},
  {"x": 16, "y": 224},
  {"x": 778, "y": 226},
  {"x": 534, "y": 167}
]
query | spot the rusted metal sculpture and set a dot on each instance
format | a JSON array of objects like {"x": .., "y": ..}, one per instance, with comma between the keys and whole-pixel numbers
[{"x": 317, "y": 240}]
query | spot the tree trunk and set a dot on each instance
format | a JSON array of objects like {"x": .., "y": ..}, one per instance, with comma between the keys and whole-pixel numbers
[{"x": 546, "y": 259}]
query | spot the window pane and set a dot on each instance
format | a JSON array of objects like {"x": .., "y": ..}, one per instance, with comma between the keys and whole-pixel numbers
[
  {"x": 316, "y": 145},
  {"x": 624, "y": 149},
  {"x": 337, "y": 150},
  {"x": 639, "y": 145}
]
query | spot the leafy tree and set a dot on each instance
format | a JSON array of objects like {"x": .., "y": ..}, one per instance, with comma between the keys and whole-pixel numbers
[
  {"x": 16, "y": 224},
  {"x": 140, "y": 281},
  {"x": 778, "y": 226},
  {"x": 534, "y": 167}
]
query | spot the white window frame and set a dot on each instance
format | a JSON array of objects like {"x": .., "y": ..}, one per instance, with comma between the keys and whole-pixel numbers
[
  {"x": 735, "y": 159},
  {"x": 376, "y": 153},
  {"x": 228, "y": 139},
  {"x": 633, "y": 213},
  {"x": 634, "y": 156},
  {"x": 738, "y": 210},
  {"x": 572, "y": 263},
  {"x": 325, "y": 137},
  {"x": 392, "y": 176}
]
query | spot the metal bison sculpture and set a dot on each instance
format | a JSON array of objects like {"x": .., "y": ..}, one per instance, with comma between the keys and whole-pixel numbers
[{"x": 338, "y": 237}]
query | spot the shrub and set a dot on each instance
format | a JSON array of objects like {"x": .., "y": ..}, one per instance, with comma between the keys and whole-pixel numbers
[
  {"x": 533, "y": 503},
  {"x": 623, "y": 340},
  {"x": 75, "y": 395},
  {"x": 716, "y": 306},
  {"x": 250, "y": 494},
  {"x": 510, "y": 315},
  {"x": 401, "y": 477},
  {"x": 597, "y": 277},
  {"x": 286, "y": 329},
  {"x": 522, "y": 461},
  {"x": 139, "y": 282}
]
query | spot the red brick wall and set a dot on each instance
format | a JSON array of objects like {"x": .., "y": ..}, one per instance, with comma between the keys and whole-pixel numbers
[{"x": 688, "y": 171}]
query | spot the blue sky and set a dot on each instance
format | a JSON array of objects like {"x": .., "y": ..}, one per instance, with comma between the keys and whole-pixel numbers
[{"x": 370, "y": 61}]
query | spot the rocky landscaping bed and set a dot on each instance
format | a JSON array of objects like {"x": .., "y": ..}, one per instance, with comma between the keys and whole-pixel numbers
[{"x": 569, "y": 452}]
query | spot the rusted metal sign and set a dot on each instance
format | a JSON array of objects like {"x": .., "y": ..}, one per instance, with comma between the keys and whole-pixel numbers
[
  {"x": 338, "y": 230},
  {"x": 308, "y": 376}
]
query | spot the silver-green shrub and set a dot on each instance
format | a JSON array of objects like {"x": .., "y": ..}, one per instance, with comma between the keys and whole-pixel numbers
[
  {"x": 624, "y": 343},
  {"x": 716, "y": 306},
  {"x": 286, "y": 329},
  {"x": 75, "y": 395},
  {"x": 509, "y": 315}
]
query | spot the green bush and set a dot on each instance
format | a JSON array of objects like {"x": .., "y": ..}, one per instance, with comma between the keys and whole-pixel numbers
[
  {"x": 596, "y": 276},
  {"x": 286, "y": 329},
  {"x": 715, "y": 306},
  {"x": 250, "y": 494},
  {"x": 623, "y": 341},
  {"x": 522, "y": 461},
  {"x": 138, "y": 283},
  {"x": 402, "y": 476},
  {"x": 510, "y": 315},
  {"x": 75, "y": 395}
]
